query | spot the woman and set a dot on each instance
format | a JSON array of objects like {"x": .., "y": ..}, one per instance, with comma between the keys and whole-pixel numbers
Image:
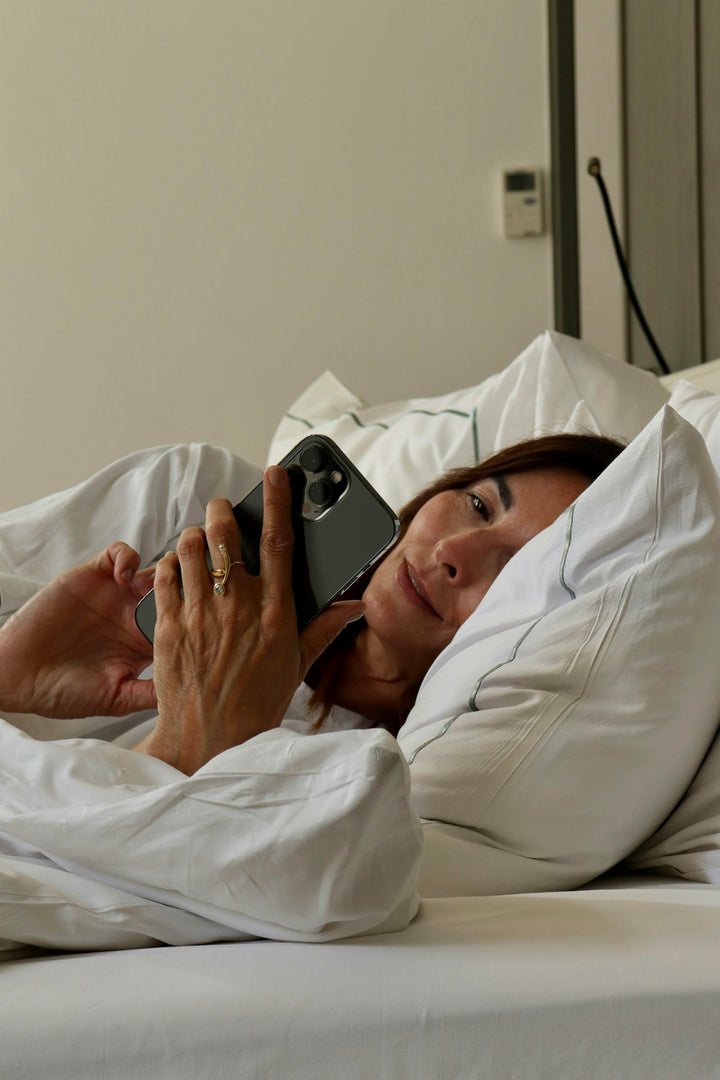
[
  {"x": 230, "y": 822},
  {"x": 226, "y": 668}
]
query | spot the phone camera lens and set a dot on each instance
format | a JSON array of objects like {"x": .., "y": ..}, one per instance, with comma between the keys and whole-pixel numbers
[
  {"x": 321, "y": 492},
  {"x": 313, "y": 459}
]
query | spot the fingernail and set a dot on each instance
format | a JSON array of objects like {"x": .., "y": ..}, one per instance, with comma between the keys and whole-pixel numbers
[
  {"x": 127, "y": 575},
  {"x": 355, "y": 617},
  {"x": 276, "y": 475}
]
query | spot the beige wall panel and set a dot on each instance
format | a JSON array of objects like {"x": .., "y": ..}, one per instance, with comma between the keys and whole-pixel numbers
[
  {"x": 709, "y": 47},
  {"x": 206, "y": 204},
  {"x": 662, "y": 189}
]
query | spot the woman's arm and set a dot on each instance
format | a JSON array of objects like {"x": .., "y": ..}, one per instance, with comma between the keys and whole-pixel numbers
[
  {"x": 73, "y": 649},
  {"x": 227, "y": 666},
  {"x": 69, "y": 653}
]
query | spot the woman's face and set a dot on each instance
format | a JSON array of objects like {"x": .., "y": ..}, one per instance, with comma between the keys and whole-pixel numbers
[{"x": 453, "y": 550}]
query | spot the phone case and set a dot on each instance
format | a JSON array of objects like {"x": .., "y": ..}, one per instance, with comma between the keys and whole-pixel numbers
[{"x": 342, "y": 527}]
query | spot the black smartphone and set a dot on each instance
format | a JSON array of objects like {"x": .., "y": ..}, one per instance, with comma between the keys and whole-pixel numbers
[{"x": 341, "y": 525}]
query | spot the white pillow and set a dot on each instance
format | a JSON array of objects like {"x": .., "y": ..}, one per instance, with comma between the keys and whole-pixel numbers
[
  {"x": 556, "y": 384},
  {"x": 688, "y": 843},
  {"x": 570, "y": 712},
  {"x": 701, "y": 409}
]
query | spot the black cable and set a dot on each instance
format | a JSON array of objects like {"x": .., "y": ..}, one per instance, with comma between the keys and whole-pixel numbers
[{"x": 594, "y": 170}]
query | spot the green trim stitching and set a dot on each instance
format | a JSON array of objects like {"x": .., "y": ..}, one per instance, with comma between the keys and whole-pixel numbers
[
  {"x": 471, "y": 702},
  {"x": 476, "y": 437},
  {"x": 568, "y": 538},
  {"x": 299, "y": 420},
  {"x": 379, "y": 423},
  {"x": 360, "y": 424},
  {"x": 440, "y": 412},
  {"x": 439, "y": 735}
]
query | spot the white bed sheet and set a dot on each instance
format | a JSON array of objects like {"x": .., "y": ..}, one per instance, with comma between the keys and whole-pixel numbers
[{"x": 617, "y": 980}]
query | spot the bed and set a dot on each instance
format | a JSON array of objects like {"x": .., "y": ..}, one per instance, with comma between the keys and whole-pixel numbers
[
  {"x": 620, "y": 980},
  {"x": 580, "y": 944}
]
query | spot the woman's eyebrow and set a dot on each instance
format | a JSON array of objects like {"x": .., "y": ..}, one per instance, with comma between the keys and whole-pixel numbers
[{"x": 506, "y": 495}]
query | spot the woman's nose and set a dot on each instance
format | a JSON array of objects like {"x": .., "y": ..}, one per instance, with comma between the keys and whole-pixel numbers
[{"x": 460, "y": 554}]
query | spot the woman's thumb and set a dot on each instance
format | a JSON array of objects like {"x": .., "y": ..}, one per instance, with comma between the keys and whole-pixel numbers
[{"x": 323, "y": 630}]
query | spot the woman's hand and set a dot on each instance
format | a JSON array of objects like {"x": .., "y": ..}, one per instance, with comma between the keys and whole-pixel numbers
[
  {"x": 74, "y": 649},
  {"x": 226, "y": 667}
]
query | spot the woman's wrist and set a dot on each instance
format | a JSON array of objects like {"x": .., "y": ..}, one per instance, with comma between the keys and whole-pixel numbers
[
  {"x": 14, "y": 696},
  {"x": 198, "y": 742},
  {"x": 9, "y": 702},
  {"x": 159, "y": 745},
  {"x": 9, "y": 697},
  {"x": 184, "y": 752}
]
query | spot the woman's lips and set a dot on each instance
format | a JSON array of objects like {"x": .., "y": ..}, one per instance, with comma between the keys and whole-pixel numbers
[{"x": 414, "y": 590}]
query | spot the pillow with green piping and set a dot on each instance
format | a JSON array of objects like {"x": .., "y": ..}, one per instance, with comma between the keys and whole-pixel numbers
[
  {"x": 557, "y": 384},
  {"x": 571, "y": 710},
  {"x": 687, "y": 845}
]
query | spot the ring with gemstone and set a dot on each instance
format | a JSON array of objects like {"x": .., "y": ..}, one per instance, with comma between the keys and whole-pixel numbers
[{"x": 223, "y": 574}]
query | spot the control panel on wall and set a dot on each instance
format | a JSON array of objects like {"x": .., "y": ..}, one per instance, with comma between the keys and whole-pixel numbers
[{"x": 522, "y": 202}]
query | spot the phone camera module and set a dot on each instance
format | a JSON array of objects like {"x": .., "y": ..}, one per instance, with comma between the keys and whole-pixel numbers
[{"x": 324, "y": 479}]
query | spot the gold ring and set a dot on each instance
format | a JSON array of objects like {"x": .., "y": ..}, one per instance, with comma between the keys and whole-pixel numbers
[{"x": 224, "y": 574}]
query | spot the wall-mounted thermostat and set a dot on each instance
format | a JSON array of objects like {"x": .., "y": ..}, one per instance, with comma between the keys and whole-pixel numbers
[{"x": 522, "y": 202}]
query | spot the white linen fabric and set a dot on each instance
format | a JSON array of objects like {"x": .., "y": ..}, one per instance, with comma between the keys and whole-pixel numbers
[
  {"x": 701, "y": 408},
  {"x": 563, "y": 723},
  {"x": 604, "y": 983},
  {"x": 289, "y": 837},
  {"x": 557, "y": 384},
  {"x": 688, "y": 843}
]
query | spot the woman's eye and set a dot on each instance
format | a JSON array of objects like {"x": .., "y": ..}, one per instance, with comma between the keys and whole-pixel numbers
[{"x": 480, "y": 506}]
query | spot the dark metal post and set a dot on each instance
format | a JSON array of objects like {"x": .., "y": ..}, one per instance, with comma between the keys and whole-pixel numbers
[{"x": 563, "y": 181}]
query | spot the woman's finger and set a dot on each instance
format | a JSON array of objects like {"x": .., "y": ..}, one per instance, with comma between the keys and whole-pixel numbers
[
  {"x": 323, "y": 630},
  {"x": 223, "y": 538},
  {"x": 167, "y": 585},
  {"x": 191, "y": 553},
  {"x": 221, "y": 529},
  {"x": 136, "y": 695},
  {"x": 143, "y": 580},
  {"x": 277, "y": 541},
  {"x": 118, "y": 561}
]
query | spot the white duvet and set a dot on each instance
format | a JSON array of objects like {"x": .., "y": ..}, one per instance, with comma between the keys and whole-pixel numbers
[{"x": 288, "y": 836}]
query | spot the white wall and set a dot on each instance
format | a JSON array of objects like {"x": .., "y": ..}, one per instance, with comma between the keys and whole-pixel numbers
[{"x": 205, "y": 204}]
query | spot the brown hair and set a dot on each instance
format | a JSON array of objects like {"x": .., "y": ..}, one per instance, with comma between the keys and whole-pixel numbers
[{"x": 587, "y": 455}]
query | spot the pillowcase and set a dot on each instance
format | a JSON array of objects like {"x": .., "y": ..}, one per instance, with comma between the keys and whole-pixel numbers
[
  {"x": 701, "y": 409},
  {"x": 568, "y": 715},
  {"x": 556, "y": 384},
  {"x": 688, "y": 843}
]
